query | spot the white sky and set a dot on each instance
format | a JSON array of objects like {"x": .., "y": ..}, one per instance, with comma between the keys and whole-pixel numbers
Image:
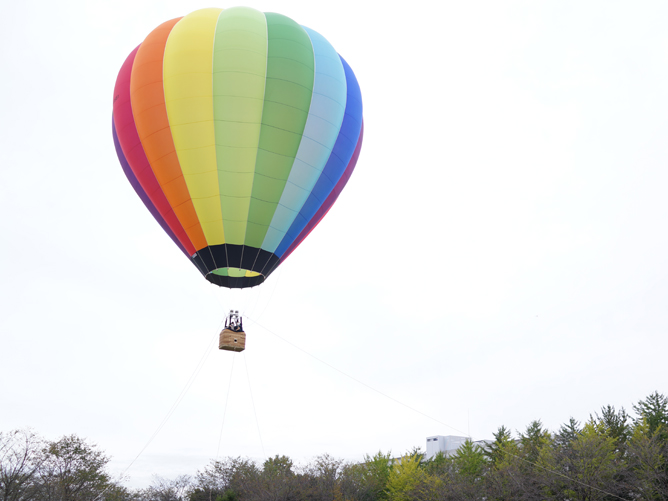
[{"x": 499, "y": 255}]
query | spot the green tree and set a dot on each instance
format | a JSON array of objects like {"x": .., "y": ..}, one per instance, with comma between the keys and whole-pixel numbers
[
  {"x": 469, "y": 461},
  {"x": 533, "y": 440},
  {"x": 225, "y": 478},
  {"x": 438, "y": 465},
  {"x": 239, "y": 478},
  {"x": 72, "y": 470},
  {"x": 654, "y": 410},
  {"x": 648, "y": 462},
  {"x": 353, "y": 483},
  {"x": 20, "y": 459},
  {"x": 504, "y": 479},
  {"x": 116, "y": 492},
  {"x": 405, "y": 477},
  {"x": 277, "y": 479},
  {"x": 278, "y": 466},
  {"x": 592, "y": 465},
  {"x": 161, "y": 489},
  {"x": 567, "y": 434},
  {"x": 321, "y": 479},
  {"x": 503, "y": 444},
  {"x": 520, "y": 473},
  {"x": 376, "y": 473},
  {"x": 417, "y": 452},
  {"x": 615, "y": 424}
]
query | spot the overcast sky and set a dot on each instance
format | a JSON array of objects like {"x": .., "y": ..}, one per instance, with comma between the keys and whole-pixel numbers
[{"x": 499, "y": 255}]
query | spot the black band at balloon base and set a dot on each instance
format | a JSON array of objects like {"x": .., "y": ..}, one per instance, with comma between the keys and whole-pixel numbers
[
  {"x": 243, "y": 257},
  {"x": 234, "y": 282}
]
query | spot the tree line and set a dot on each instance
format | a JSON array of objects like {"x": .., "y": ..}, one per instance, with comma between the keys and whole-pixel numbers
[{"x": 612, "y": 455}]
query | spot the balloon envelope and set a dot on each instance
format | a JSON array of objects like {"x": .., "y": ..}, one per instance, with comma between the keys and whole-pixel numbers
[{"x": 238, "y": 130}]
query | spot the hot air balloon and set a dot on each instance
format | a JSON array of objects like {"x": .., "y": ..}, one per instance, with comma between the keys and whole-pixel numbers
[{"x": 238, "y": 130}]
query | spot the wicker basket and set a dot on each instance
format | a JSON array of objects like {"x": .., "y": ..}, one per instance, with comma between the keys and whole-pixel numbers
[{"x": 232, "y": 341}]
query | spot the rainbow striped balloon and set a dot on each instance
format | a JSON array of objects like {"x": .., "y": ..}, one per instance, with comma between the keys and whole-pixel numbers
[{"x": 238, "y": 129}]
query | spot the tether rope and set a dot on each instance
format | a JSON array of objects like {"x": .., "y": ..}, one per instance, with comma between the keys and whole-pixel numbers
[
  {"x": 357, "y": 380},
  {"x": 563, "y": 475},
  {"x": 426, "y": 415},
  {"x": 257, "y": 422},
  {"x": 171, "y": 410},
  {"x": 227, "y": 398},
  {"x": 176, "y": 403},
  {"x": 208, "y": 352}
]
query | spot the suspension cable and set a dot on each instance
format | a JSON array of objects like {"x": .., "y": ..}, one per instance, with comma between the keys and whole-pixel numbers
[
  {"x": 357, "y": 380},
  {"x": 257, "y": 422},
  {"x": 178, "y": 400},
  {"x": 424, "y": 414},
  {"x": 227, "y": 398}
]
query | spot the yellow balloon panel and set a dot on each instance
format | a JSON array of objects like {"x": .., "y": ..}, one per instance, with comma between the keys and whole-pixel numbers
[{"x": 189, "y": 102}]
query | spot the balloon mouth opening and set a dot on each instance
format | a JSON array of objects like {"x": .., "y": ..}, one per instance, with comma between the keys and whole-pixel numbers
[
  {"x": 235, "y": 278},
  {"x": 235, "y": 272}
]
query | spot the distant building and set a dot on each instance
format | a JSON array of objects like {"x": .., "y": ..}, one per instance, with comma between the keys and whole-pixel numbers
[{"x": 448, "y": 445}]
